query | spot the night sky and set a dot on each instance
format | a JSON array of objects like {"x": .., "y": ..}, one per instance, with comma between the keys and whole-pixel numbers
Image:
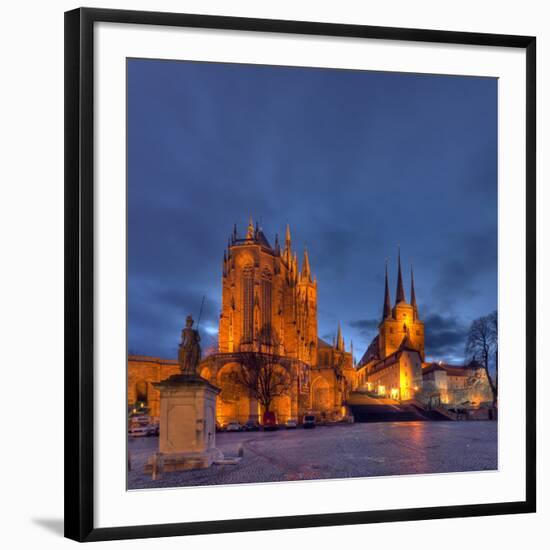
[{"x": 356, "y": 162}]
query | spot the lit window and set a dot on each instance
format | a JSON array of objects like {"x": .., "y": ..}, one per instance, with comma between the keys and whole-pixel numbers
[
  {"x": 248, "y": 304},
  {"x": 266, "y": 306}
]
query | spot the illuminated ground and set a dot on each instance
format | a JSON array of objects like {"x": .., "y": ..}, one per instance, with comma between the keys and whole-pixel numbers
[{"x": 355, "y": 450}]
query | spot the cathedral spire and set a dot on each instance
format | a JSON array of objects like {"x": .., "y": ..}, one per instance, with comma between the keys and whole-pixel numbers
[
  {"x": 287, "y": 255},
  {"x": 339, "y": 339},
  {"x": 400, "y": 295},
  {"x": 287, "y": 237},
  {"x": 413, "y": 296},
  {"x": 250, "y": 230},
  {"x": 306, "y": 270},
  {"x": 386, "y": 311}
]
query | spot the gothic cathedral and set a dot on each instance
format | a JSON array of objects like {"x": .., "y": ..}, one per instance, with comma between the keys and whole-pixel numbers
[{"x": 269, "y": 307}]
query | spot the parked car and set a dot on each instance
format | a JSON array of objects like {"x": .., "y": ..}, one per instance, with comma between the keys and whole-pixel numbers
[
  {"x": 233, "y": 426},
  {"x": 270, "y": 421},
  {"x": 220, "y": 427},
  {"x": 251, "y": 426},
  {"x": 291, "y": 424},
  {"x": 139, "y": 430},
  {"x": 142, "y": 425},
  {"x": 309, "y": 421}
]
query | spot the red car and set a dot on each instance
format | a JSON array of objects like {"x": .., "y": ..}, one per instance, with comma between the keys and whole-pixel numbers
[{"x": 270, "y": 421}]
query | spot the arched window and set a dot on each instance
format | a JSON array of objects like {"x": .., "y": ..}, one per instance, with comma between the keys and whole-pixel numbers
[
  {"x": 266, "y": 306},
  {"x": 141, "y": 392},
  {"x": 248, "y": 304}
]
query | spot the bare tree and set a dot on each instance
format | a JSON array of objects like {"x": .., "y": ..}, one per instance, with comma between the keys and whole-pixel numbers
[
  {"x": 493, "y": 324},
  {"x": 482, "y": 343},
  {"x": 263, "y": 373}
]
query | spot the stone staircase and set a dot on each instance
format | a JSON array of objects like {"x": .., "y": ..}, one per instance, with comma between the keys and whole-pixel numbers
[
  {"x": 369, "y": 408},
  {"x": 438, "y": 413}
]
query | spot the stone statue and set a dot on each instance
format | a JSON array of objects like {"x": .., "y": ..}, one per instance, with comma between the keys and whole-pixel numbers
[{"x": 189, "y": 352}]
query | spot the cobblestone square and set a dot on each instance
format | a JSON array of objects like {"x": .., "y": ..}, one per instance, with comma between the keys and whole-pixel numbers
[{"x": 331, "y": 452}]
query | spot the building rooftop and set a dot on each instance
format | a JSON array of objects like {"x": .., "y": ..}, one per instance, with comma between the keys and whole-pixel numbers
[
  {"x": 149, "y": 359},
  {"x": 451, "y": 370}
]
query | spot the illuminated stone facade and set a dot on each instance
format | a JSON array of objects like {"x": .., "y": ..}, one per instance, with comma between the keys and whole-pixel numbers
[
  {"x": 394, "y": 364},
  {"x": 143, "y": 372},
  {"x": 269, "y": 304},
  {"x": 266, "y": 299},
  {"x": 463, "y": 386}
]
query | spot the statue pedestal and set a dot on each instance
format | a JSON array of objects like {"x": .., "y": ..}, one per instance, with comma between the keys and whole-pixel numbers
[{"x": 187, "y": 425}]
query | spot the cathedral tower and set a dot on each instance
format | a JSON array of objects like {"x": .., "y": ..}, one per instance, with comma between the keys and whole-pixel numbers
[
  {"x": 267, "y": 303},
  {"x": 400, "y": 324},
  {"x": 307, "y": 314}
]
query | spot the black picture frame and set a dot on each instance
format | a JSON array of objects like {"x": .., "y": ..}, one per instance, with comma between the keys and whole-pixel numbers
[{"x": 79, "y": 273}]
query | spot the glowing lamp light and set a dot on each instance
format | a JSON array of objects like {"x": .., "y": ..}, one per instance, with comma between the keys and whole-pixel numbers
[{"x": 381, "y": 390}]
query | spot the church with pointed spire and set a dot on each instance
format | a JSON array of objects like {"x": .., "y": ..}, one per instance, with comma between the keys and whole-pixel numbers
[
  {"x": 269, "y": 306},
  {"x": 400, "y": 324},
  {"x": 394, "y": 360}
]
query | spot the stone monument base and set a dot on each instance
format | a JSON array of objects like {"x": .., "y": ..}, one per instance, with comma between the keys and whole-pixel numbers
[
  {"x": 187, "y": 439},
  {"x": 175, "y": 462}
]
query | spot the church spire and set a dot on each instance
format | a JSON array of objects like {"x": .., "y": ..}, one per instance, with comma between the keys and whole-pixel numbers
[
  {"x": 339, "y": 339},
  {"x": 250, "y": 230},
  {"x": 306, "y": 270},
  {"x": 287, "y": 250},
  {"x": 386, "y": 311},
  {"x": 413, "y": 296},
  {"x": 287, "y": 237},
  {"x": 400, "y": 295}
]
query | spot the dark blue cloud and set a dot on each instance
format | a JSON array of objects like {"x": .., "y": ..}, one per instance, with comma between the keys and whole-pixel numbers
[
  {"x": 447, "y": 335},
  {"x": 356, "y": 162}
]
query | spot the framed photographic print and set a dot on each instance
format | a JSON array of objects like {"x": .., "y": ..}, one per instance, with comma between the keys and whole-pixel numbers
[{"x": 300, "y": 274}]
